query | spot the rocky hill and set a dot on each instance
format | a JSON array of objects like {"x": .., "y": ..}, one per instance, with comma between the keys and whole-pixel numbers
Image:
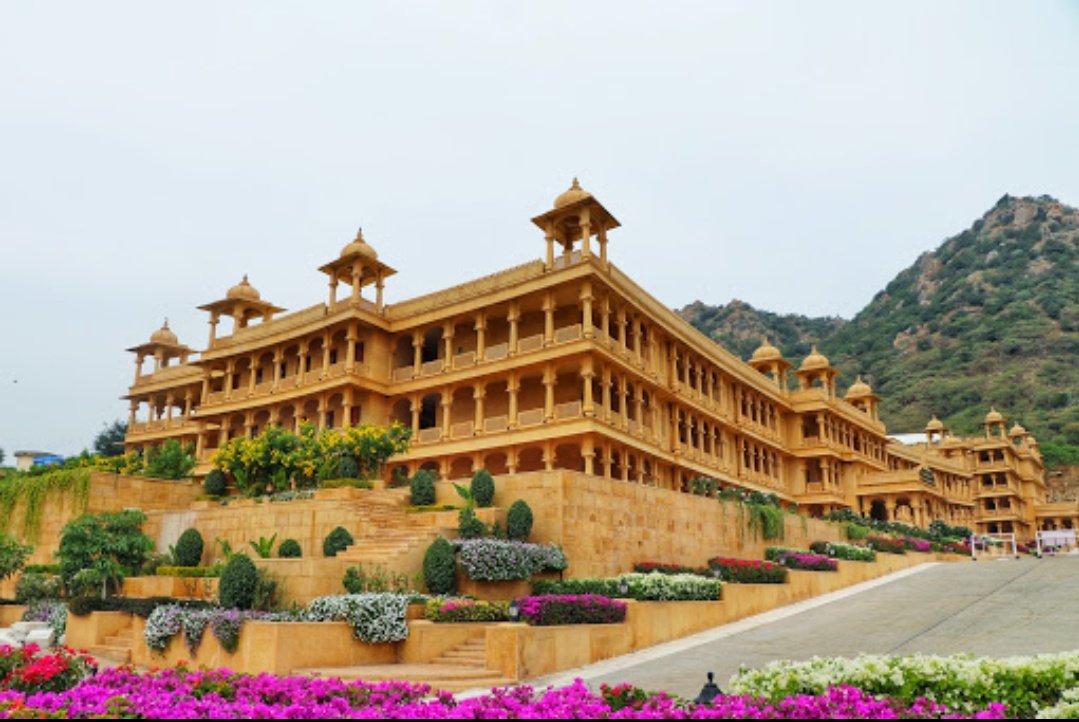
[{"x": 989, "y": 317}]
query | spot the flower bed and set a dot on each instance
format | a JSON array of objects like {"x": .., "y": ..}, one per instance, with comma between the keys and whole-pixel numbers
[
  {"x": 917, "y": 545},
  {"x": 849, "y": 552},
  {"x": 886, "y": 544},
  {"x": 51, "y": 611},
  {"x": 655, "y": 587},
  {"x": 25, "y": 670},
  {"x": 801, "y": 560},
  {"x": 966, "y": 684},
  {"x": 749, "y": 571},
  {"x": 180, "y": 693},
  {"x": 465, "y": 610},
  {"x": 496, "y": 560},
  {"x": 661, "y": 568},
  {"x": 373, "y": 618},
  {"x": 191, "y": 572},
  {"x": 558, "y": 609}
]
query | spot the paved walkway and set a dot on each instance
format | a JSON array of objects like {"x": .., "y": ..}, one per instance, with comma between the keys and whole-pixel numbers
[{"x": 993, "y": 608}]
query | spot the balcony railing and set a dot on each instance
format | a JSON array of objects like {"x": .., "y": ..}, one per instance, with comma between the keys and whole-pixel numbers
[
  {"x": 530, "y": 343},
  {"x": 462, "y": 429},
  {"x": 532, "y": 417}
]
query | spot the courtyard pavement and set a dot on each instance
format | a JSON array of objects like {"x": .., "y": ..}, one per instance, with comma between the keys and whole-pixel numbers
[{"x": 992, "y": 608}]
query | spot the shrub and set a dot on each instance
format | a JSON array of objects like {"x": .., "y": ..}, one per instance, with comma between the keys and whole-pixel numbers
[
  {"x": 916, "y": 545},
  {"x": 519, "y": 521},
  {"x": 439, "y": 567},
  {"x": 172, "y": 460},
  {"x": 140, "y": 607},
  {"x": 856, "y": 532},
  {"x": 483, "y": 489},
  {"x": 375, "y": 580},
  {"x": 550, "y": 610},
  {"x": 884, "y": 544},
  {"x": 100, "y": 549},
  {"x": 188, "y": 549},
  {"x": 423, "y": 488},
  {"x": 41, "y": 569},
  {"x": 34, "y": 587},
  {"x": 465, "y": 610},
  {"x": 843, "y": 551},
  {"x": 642, "y": 587},
  {"x": 57, "y": 671},
  {"x": 349, "y": 483},
  {"x": 289, "y": 549},
  {"x": 191, "y": 572},
  {"x": 496, "y": 560},
  {"x": 798, "y": 559},
  {"x": 749, "y": 571},
  {"x": 336, "y": 541},
  {"x": 347, "y": 468},
  {"x": 215, "y": 483},
  {"x": 468, "y": 526},
  {"x": 263, "y": 547},
  {"x": 12, "y": 556},
  {"x": 374, "y": 618},
  {"x": 239, "y": 583}
]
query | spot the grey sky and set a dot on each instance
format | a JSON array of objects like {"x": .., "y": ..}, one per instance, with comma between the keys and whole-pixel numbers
[{"x": 795, "y": 155}]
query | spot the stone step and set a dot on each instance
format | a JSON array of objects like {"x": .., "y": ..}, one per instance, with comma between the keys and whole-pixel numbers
[
  {"x": 118, "y": 654},
  {"x": 119, "y": 641},
  {"x": 436, "y": 675},
  {"x": 471, "y": 655}
]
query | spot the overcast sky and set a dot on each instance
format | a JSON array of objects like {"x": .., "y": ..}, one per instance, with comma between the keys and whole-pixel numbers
[{"x": 794, "y": 155}]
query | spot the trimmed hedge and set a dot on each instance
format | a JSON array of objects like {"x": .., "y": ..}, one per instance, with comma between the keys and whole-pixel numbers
[
  {"x": 189, "y": 549},
  {"x": 519, "y": 520},
  {"x": 423, "y": 488},
  {"x": 289, "y": 549},
  {"x": 483, "y": 489},
  {"x": 336, "y": 541},
  {"x": 440, "y": 567},
  {"x": 215, "y": 483},
  {"x": 192, "y": 572},
  {"x": 239, "y": 583}
]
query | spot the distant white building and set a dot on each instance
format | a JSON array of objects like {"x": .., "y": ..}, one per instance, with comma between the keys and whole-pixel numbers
[
  {"x": 25, "y": 459},
  {"x": 908, "y": 439}
]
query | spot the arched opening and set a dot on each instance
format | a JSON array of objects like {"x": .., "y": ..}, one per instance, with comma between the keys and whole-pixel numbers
[
  {"x": 568, "y": 456},
  {"x": 496, "y": 463},
  {"x": 432, "y": 345},
  {"x": 403, "y": 355},
  {"x": 429, "y": 411},
  {"x": 461, "y": 468},
  {"x": 401, "y": 412},
  {"x": 878, "y": 510},
  {"x": 530, "y": 459}
]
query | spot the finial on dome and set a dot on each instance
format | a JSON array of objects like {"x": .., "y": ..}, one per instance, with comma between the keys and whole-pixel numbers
[{"x": 574, "y": 194}]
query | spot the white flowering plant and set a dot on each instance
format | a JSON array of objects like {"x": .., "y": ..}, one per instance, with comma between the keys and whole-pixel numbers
[
  {"x": 374, "y": 618},
  {"x": 497, "y": 560}
]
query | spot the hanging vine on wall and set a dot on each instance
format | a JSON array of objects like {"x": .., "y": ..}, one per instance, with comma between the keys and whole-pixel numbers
[{"x": 33, "y": 490}]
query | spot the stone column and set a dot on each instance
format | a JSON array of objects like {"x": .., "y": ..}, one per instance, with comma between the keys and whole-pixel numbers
[
  {"x": 586, "y": 234},
  {"x": 213, "y": 327},
  {"x": 414, "y": 405},
  {"x": 622, "y": 329},
  {"x": 605, "y": 319},
  {"x": 481, "y": 336},
  {"x": 606, "y": 383},
  {"x": 637, "y": 340},
  {"x": 222, "y": 436},
  {"x": 512, "y": 387},
  {"x": 380, "y": 286},
  {"x": 588, "y": 404},
  {"x": 548, "y": 319},
  {"x": 187, "y": 404},
  {"x": 588, "y": 452},
  {"x": 548, "y": 387},
  {"x": 417, "y": 353},
  {"x": 302, "y": 359},
  {"x": 346, "y": 408},
  {"x": 587, "y": 329},
  {"x": 623, "y": 400},
  {"x": 603, "y": 244},
  {"x": 322, "y": 413},
  {"x": 350, "y": 352},
  {"x": 357, "y": 277},
  {"x": 133, "y": 408},
  {"x": 638, "y": 394},
  {"x": 447, "y": 407},
  {"x": 513, "y": 317},
  {"x": 447, "y": 338},
  {"x": 333, "y": 292},
  {"x": 549, "y": 237},
  {"x": 205, "y": 386},
  {"x": 325, "y": 354},
  {"x": 252, "y": 366},
  {"x": 478, "y": 394},
  {"x": 277, "y": 357}
]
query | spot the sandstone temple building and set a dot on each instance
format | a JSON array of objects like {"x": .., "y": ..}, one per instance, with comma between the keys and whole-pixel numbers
[{"x": 566, "y": 363}]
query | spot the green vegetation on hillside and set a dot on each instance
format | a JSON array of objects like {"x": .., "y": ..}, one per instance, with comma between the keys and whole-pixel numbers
[{"x": 990, "y": 317}]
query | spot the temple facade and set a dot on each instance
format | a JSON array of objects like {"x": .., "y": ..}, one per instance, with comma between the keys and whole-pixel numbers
[{"x": 565, "y": 362}]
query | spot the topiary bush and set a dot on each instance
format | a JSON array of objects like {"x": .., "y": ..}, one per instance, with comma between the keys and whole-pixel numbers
[
  {"x": 439, "y": 567},
  {"x": 215, "y": 483},
  {"x": 336, "y": 541},
  {"x": 468, "y": 526},
  {"x": 483, "y": 489},
  {"x": 289, "y": 549},
  {"x": 347, "y": 468},
  {"x": 189, "y": 549},
  {"x": 239, "y": 584},
  {"x": 423, "y": 488},
  {"x": 519, "y": 521}
]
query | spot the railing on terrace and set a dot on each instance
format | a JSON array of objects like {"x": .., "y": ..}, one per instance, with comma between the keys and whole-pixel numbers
[
  {"x": 431, "y": 367},
  {"x": 497, "y": 352},
  {"x": 496, "y": 423},
  {"x": 567, "y": 410},
  {"x": 531, "y": 417},
  {"x": 568, "y": 333},
  {"x": 464, "y": 360},
  {"x": 428, "y": 436},
  {"x": 530, "y": 343},
  {"x": 404, "y": 373},
  {"x": 462, "y": 429}
]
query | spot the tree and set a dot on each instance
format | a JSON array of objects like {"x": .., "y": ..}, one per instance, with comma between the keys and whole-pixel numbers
[
  {"x": 110, "y": 441},
  {"x": 98, "y": 550},
  {"x": 12, "y": 556}
]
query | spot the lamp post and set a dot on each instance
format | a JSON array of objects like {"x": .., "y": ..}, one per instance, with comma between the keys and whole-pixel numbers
[
  {"x": 513, "y": 611},
  {"x": 709, "y": 692},
  {"x": 623, "y": 588}
]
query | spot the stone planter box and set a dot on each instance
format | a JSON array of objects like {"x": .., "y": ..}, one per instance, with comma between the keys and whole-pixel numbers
[
  {"x": 178, "y": 587},
  {"x": 274, "y": 647},
  {"x": 498, "y": 591},
  {"x": 11, "y": 613}
]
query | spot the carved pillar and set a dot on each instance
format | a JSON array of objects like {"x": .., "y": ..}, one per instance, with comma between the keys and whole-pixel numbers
[
  {"x": 548, "y": 319},
  {"x": 512, "y": 387},
  {"x": 447, "y": 407},
  {"x": 333, "y": 293},
  {"x": 325, "y": 354},
  {"x": 548, "y": 387},
  {"x": 252, "y": 366},
  {"x": 586, "y": 310},
  {"x": 588, "y": 406},
  {"x": 481, "y": 336},
  {"x": 350, "y": 353},
  {"x": 277, "y": 357},
  {"x": 588, "y": 452},
  {"x": 606, "y": 383},
  {"x": 417, "y": 352},
  {"x": 513, "y": 317},
  {"x": 230, "y": 369},
  {"x": 478, "y": 393},
  {"x": 415, "y": 404},
  {"x": 447, "y": 338}
]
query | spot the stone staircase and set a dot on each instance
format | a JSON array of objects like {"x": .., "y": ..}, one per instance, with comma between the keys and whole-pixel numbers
[
  {"x": 456, "y": 670},
  {"x": 117, "y": 648},
  {"x": 394, "y": 537}
]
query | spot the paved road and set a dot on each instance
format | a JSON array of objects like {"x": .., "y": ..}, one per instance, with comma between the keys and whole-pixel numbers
[{"x": 993, "y": 608}]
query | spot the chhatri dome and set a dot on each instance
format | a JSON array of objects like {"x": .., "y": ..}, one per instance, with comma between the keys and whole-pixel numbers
[
  {"x": 1017, "y": 430},
  {"x": 574, "y": 194},
  {"x": 358, "y": 245},
  {"x": 858, "y": 389},
  {"x": 165, "y": 336},
  {"x": 815, "y": 360},
  {"x": 766, "y": 352},
  {"x": 934, "y": 424},
  {"x": 994, "y": 416},
  {"x": 243, "y": 291}
]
